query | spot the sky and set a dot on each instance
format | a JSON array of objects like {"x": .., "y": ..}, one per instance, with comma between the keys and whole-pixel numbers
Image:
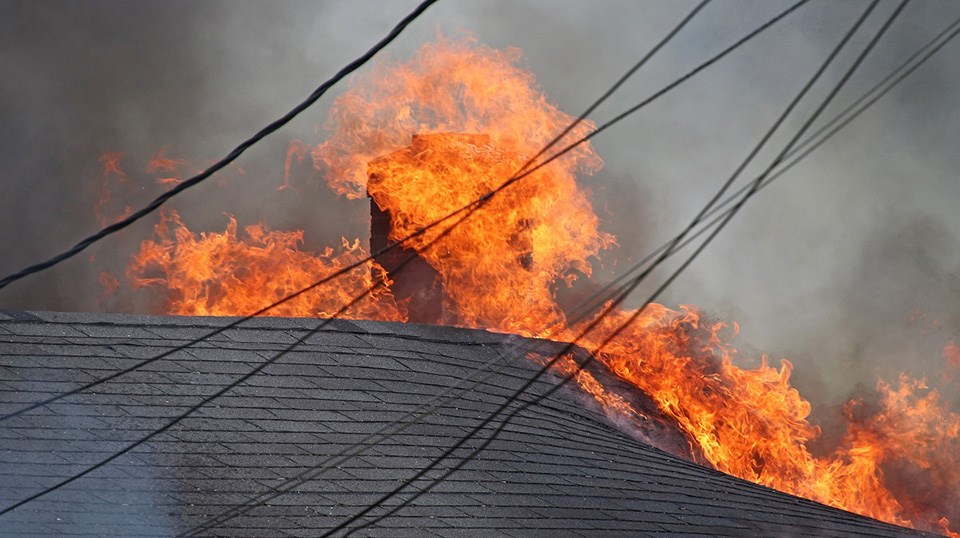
[{"x": 849, "y": 265}]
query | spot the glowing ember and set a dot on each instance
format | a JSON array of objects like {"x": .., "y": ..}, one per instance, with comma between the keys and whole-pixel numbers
[{"x": 428, "y": 136}]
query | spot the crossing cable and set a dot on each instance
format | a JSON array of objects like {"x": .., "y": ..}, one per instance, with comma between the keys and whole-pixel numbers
[
  {"x": 232, "y": 156},
  {"x": 353, "y": 302},
  {"x": 296, "y": 343},
  {"x": 514, "y": 398},
  {"x": 482, "y": 201},
  {"x": 437, "y": 402},
  {"x": 800, "y": 152},
  {"x": 259, "y": 368},
  {"x": 838, "y": 122},
  {"x": 210, "y": 398},
  {"x": 466, "y": 211},
  {"x": 606, "y": 341}
]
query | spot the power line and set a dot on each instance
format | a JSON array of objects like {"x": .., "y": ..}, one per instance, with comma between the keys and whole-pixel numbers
[
  {"x": 622, "y": 327},
  {"x": 795, "y": 161},
  {"x": 232, "y": 156},
  {"x": 467, "y": 210},
  {"x": 310, "y": 333},
  {"x": 931, "y": 46},
  {"x": 481, "y": 201},
  {"x": 802, "y": 150},
  {"x": 203, "y": 402},
  {"x": 447, "y": 395},
  {"x": 192, "y": 409}
]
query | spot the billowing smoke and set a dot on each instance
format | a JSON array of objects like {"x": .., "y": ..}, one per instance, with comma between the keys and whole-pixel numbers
[{"x": 849, "y": 265}]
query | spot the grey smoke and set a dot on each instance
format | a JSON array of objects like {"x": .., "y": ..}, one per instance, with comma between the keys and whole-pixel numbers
[{"x": 824, "y": 268}]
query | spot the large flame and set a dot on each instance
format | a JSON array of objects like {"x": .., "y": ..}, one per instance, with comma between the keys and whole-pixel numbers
[
  {"x": 514, "y": 248},
  {"x": 426, "y": 137}
]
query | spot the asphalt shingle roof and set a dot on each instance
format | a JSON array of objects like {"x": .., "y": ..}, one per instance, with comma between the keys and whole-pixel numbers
[{"x": 560, "y": 469}]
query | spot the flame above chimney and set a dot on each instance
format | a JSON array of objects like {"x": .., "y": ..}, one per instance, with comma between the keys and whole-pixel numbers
[{"x": 424, "y": 138}]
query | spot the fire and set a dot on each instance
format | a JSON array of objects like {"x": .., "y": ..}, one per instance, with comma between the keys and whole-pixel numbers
[
  {"x": 448, "y": 87},
  {"x": 110, "y": 285},
  {"x": 513, "y": 249},
  {"x": 754, "y": 425},
  {"x": 162, "y": 164},
  {"x": 297, "y": 151},
  {"x": 221, "y": 274},
  {"x": 428, "y": 136}
]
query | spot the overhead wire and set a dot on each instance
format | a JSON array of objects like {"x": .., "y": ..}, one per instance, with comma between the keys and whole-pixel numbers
[
  {"x": 481, "y": 201},
  {"x": 449, "y": 452},
  {"x": 878, "y": 96},
  {"x": 232, "y": 156},
  {"x": 438, "y": 401},
  {"x": 298, "y": 341},
  {"x": 836, "y": 124},
  {"x": 169, "y": 425},
  {"x": 467, "y": 210},
  {"x": 800, "y": 152}
]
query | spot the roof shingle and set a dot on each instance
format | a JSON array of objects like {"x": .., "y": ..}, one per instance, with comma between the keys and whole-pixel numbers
[{"x": 560, "y": 468}]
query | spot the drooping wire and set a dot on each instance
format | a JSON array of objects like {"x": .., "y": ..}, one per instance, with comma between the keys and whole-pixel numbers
[
  {"x": 438, "y": 401},
  {"x": 259, "y": 368},
  {"x": 197, "y": 406},
  {"x": 192, "y": 409},
  {"x": 584, "y": 307},
  {"x": 279, "y": 355},
  {"x": 614, "y": 304},
  {"x": 466, "y": 211},
  {"x": 753, "y": 191},
  {"x": 801, "y": 151},
  {"x": 300, "y": 340},
  {"x": 232, "y": 156}
]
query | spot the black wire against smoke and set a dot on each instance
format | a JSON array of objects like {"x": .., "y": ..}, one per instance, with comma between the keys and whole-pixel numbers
[
  {"x": 584, "y": 307},
  {"x": 468, "y": 209},
  {"x": 483, "y": 200},
  {"x": 270, "y": 495},
  {"x": 623, "y": 326},
  {"x": 273, "y": 359},
  {"x": 805, "y": 148},
  {"x": 813, "y": 148},
  {"x": 232, "y": 156},
  {"x": 224, "y": 390},
  {"x": 610, "y": 308}
]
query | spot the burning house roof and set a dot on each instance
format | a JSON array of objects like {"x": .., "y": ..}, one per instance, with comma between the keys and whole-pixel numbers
[
  {"x": 562, "y": 466},
  {"x": 445, "y": 137}
]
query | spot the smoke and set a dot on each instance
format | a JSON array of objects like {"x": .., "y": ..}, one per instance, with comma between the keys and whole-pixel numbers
[{"x": 829, "y": 267}]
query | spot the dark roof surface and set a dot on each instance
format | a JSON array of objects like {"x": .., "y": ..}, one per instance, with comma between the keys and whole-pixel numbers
[{"x": 560, "y": 469}]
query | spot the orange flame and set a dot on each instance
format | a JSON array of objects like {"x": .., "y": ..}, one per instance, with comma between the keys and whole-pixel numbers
[
  {"x": 448, "y": 87},
  {"x": 222, "y": 274},
  {"x": 161, "y": 164},
  {"x": 426, "y": 137},
  {"x": 898, "y": 463},
  {"x": 513, "y": 249}
]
